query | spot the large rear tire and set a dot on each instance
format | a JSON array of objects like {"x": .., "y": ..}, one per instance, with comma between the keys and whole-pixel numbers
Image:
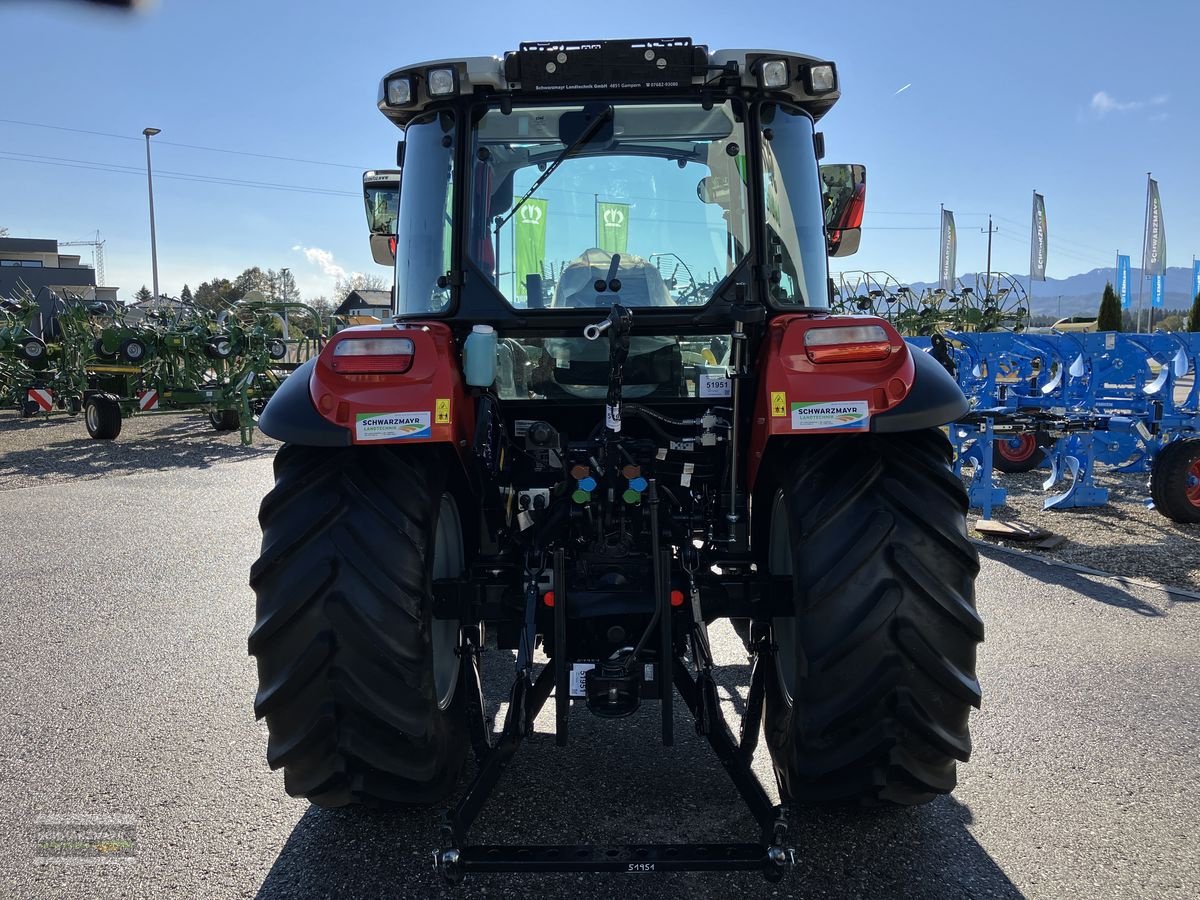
[
  {"x": 876, "y": 671},
  {"x": 357, "y": 680}
]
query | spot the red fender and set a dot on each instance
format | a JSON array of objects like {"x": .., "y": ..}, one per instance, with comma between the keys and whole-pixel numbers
[
  {"x": 427, "y": 403},
  {"x": 827, "y": 388}
]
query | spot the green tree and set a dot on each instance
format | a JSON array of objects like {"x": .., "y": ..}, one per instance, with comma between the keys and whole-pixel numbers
[
  {"x": 143, "y": 295},
  {"x": 1172, "y": 322},
  {"x": 186, "y": 295},
  {"x": 217, "y": 294},
  {"x": 323, "y": 305},
  {"x": 1193, "y": 322},
  {"x": 1109, "y": 318},
  {"x": 283, "y": 286},
  {"x": 355, "y": 282},
  {"x": 253, "y": 279}
]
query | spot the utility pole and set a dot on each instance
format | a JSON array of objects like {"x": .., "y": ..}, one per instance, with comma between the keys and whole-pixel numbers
[
  {"x": 149, "y": 133},
  {"x": 283, "y": 274},
  {"x": 988, "y": 283}
]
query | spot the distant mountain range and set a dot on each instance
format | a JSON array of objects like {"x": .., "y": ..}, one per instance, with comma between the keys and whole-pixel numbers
[{"x": 1081, "y": 293}]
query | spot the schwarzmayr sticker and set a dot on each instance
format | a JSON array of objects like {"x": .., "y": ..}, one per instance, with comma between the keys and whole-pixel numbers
[
  {"x": 852, "y": 415},
  {"x": 391, "y": 426}
]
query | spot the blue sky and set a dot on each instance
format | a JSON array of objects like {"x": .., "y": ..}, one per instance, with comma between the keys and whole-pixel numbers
[{"x": 1072, "y": 99}]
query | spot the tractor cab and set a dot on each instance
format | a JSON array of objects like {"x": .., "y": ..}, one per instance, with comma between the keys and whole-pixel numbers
[{"x": 696, "y": 171}]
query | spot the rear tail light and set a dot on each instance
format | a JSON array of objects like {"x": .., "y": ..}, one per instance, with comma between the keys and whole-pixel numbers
[
  {"x": 847, "y": 343},
  {"x": 371, "y": 355}
]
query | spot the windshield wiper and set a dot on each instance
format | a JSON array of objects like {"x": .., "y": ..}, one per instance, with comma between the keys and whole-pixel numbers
[{"x": 587, "y": 134}]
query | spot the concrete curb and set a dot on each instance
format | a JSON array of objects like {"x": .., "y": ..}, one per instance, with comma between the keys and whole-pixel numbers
[{"x": 1084, "y": 570}]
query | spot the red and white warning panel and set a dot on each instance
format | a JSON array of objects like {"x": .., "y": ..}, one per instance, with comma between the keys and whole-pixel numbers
[
  {"x": 43, "y": 397},
  {"x": 148, "y": 400}
]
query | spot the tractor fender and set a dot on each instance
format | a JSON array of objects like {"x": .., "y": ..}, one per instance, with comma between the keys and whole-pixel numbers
[
  {"x": 934, "y": 399},
  {"x": 416, "y": 395},
  {"x": 290, "y": 416}
]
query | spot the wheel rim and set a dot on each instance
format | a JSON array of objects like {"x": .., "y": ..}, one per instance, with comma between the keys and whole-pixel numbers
[
  {"x": 1018, "y": 448},
  {"x": 92, "y": 417},
  {"x": 779, "y": 562},
  {"x": 448, "y": 562},
  {"x": 134, "y": 351},
  {"x": 34, "y": 350},
  {"x": 1193, "y": 483}
]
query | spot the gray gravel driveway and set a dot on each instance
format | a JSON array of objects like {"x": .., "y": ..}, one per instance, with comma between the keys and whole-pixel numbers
[{"x": 127, "y": 696}]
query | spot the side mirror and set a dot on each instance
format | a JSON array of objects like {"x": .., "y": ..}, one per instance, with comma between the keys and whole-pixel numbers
[
  {"x": 713, "y": 189},
  {"x": 844, "y": 188},
  {"x": 381, "y": 195}
]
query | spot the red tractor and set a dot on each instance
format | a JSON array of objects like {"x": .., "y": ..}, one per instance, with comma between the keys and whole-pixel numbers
[{"x": 612, "y": 408}]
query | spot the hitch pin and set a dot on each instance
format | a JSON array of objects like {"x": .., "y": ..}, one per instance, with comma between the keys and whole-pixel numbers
[{"x": 593, "y": 332}]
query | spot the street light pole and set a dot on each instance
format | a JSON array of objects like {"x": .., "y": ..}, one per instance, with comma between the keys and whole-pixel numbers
[
  {"x": 149, "y": 133},
  {"x": 287, "y": 330}
]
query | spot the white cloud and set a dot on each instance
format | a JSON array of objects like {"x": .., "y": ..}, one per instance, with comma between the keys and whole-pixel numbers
[
  {"x": 331, "y": 273},
  {"x": 323, "y": 260},
  {"x": 1104, "y": 103}
]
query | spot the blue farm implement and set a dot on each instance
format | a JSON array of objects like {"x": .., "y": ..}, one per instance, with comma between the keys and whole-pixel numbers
[{"x": 1074, "y": 401}]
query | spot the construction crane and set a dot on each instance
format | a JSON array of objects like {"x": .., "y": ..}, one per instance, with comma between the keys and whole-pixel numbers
[{"x": 97, "y": 255}]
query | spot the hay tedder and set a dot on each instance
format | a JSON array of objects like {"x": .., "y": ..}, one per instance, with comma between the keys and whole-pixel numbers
[
  {"x": 176, "y": 357},
  {"x": 613, "y": 408}
]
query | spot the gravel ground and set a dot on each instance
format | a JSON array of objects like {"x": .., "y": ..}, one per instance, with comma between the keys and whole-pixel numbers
[
  {"x": 39, "y": 450},
  {"x": 130, "y": 699},
  {"x": 1122, "y": 538}
]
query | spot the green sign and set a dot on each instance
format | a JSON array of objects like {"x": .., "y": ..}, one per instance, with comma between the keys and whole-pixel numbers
[
  {"x": 612, "y": 226},
  {"x": 530, "y": 241}
]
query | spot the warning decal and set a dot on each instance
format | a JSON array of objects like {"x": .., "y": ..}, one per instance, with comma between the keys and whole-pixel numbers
[
  {"x": 778, "y": 404},
  {"x": 441, "y": 415}
]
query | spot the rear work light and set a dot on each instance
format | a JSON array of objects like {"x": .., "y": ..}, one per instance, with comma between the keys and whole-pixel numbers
[
  {"x": 398, "y": 91},
  {"x": 441, "y": 82},
  {"x": 821, "y": 79},
  {"x": 372, "y": 355},
  {"x": 847, "y": 343},
  {"x": 775, "y": 73}
]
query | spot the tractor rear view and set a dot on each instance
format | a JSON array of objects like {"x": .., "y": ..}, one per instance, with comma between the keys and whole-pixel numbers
[{"x": 613, "y": 408}]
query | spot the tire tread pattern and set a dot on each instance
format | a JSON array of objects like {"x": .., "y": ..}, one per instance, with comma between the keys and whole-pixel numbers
[
  {"x": 342, "y": 634},
  {"x": 886, "y": 629}
]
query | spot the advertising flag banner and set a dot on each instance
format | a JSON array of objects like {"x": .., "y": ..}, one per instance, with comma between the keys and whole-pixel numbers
[
  {"x": 1195, "y": 278},
  {"x": 530, "y": 241},
  {"x": 1037, "y": 240},
  {"x": 949, "y": 252},
  {"x": 1156, "y": 290},
  {"x": 612, "y": 226},
  {"x": 1156, "y": 235},
  {"x": 1124, "y": 281}
]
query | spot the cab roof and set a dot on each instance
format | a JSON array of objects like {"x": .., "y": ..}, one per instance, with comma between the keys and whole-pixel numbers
[{"x": 594, "y": 69}]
